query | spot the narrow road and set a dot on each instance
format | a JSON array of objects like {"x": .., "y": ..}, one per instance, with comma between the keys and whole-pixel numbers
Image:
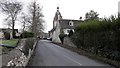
[{"x": 49, "y": 54}]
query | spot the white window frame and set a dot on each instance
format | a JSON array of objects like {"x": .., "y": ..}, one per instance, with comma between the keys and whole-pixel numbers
[{"x": 71, "y": 23}]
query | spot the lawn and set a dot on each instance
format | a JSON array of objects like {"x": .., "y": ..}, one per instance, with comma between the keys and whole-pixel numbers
[{"x": 12, "y": 42}]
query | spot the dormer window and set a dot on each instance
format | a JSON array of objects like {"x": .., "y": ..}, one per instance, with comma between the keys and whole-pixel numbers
[{"x": 71, "y": 23}]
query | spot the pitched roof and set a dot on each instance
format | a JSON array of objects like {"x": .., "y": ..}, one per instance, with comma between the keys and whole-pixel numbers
[{"x": 64, "y": 23}]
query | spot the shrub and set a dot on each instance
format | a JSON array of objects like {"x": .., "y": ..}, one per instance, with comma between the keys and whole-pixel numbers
[
  {"x": 61, "y": 36},
  {"x": 7, "y": 35},
  {"x": 26, "y": 34},
  {"x": 70, "y": 33}
]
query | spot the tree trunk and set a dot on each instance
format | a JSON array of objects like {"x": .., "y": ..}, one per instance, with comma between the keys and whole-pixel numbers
[{"x": 13, "y": 32}]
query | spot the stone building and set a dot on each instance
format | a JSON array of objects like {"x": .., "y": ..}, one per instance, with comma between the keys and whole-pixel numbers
[
  {"x": 61, "y": 25},
  {"x": 8, "y": 30}
]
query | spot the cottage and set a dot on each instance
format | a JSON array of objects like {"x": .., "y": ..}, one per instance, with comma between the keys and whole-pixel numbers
[
  {"x": 8, "y": 30},
  {"x": 61, "y": 25}
]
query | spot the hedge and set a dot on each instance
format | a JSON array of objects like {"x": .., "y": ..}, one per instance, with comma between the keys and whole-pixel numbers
[
  {"x": 26, "y": 34},
  {"x": 99, "y": 37}
]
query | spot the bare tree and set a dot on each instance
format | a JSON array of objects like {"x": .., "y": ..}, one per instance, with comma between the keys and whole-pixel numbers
[
  {"x": 36, "y": 18},
  {"x": 11, "y": 9},
  {"x": 25, "y": 20}
]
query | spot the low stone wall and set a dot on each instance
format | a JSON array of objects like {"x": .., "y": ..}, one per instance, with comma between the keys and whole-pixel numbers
[
  {"x": 0, "y": 56},
  {"x": 20, "y": 55},
  {"x": 68, "y": 42}
]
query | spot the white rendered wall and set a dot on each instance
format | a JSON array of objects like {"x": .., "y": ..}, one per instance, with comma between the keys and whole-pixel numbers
[
  {"x": 56, "y": 34},
  {"x": 66, "y": 31}
]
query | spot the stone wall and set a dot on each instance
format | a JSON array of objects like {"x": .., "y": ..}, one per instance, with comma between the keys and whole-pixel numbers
[
  {"x": 0, "y": 55},
  {"x": 20, "y": 55},
  {"x": 68, "y": 42}
]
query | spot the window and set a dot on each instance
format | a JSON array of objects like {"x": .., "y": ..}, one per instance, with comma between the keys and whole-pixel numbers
[
  {"x": 68, "y": 31},
  {"x": 71, "y": 23}
]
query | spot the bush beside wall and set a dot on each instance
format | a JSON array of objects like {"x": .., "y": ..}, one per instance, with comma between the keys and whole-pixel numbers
[
  {"x": 61, "y": 36},
  {"x": 26, "y": 34}
]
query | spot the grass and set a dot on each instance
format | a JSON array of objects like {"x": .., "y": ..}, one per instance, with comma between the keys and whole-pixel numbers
[{"x": 12, "y": 42}]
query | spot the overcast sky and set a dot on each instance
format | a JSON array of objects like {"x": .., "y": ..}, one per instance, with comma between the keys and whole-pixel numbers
[{"x": 72, "y": 9}]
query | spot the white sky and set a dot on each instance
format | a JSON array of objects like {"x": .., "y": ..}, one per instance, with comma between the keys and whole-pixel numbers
[{"x": 72, "y": 9}]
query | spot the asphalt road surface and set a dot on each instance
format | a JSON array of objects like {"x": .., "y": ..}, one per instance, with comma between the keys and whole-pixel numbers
[{"x": 49, "y": 54}]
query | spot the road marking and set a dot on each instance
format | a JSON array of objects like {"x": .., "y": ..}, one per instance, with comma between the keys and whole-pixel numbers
[{"x": 73, "y": 60}]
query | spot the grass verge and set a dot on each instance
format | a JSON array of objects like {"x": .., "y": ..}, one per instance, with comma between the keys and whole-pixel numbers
[{"x": 12, "y": 42}]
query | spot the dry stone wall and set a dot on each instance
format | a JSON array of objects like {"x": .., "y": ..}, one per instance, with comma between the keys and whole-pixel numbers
[
  {"x": 17, "y": 56},
  {"x": 68, "y": 42}
]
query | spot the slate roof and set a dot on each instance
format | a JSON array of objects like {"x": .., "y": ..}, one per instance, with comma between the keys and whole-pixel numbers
[{"x": 64, "y": 23}]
